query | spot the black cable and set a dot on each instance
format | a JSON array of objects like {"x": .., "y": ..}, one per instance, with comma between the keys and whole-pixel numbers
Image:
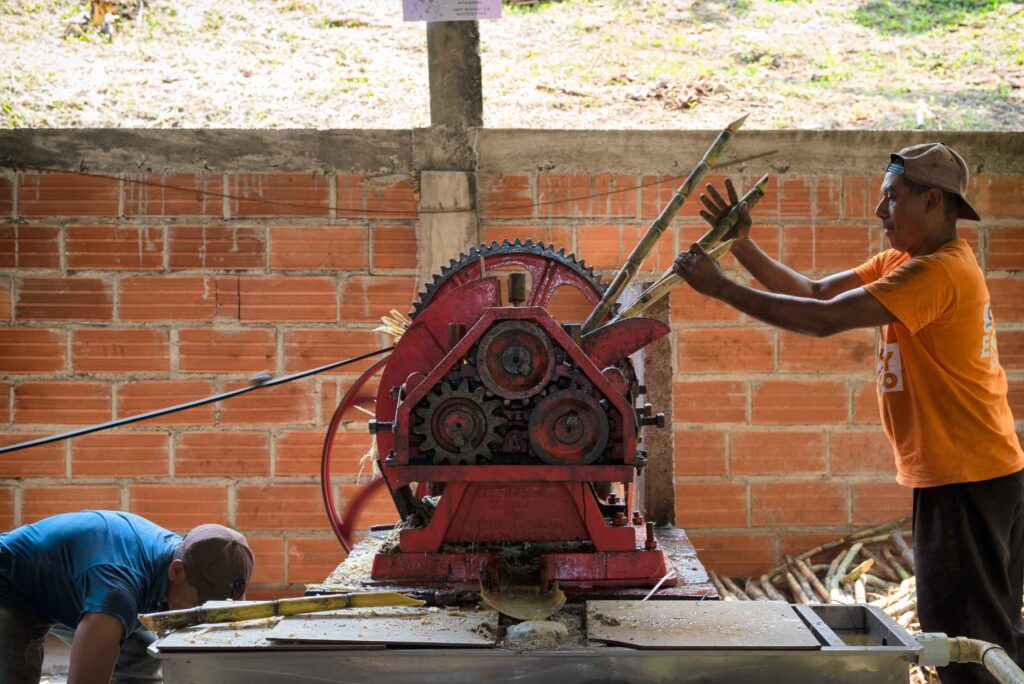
[{"x": 192, "y": 404}]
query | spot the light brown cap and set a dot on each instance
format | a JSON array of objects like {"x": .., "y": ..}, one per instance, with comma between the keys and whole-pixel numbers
[
  {"x": 938, "y": 166},
  {"x": 218, "y": 562}
]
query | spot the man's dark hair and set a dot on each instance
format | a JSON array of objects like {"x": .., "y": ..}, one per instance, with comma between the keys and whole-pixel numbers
[{"x": 950, "y": 201}]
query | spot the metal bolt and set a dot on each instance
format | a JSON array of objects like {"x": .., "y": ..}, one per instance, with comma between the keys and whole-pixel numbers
[
  {"x": 641, "y": 389},
  {"x": 619, "y": 520},
  {"x": 613, "y": 499},
  {"x": 657, "y": 420},
  {"x": 637, "y": 518},
  {"x": 650, "y": 543},
  {"x": 516, "y": 288},
  {"x": 376, "y": 426}
]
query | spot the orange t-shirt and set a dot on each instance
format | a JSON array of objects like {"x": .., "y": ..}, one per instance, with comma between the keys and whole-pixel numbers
[{"x": 941, "y": 390}]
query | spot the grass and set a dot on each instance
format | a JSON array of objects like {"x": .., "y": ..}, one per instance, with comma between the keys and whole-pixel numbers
[{"x": 918, "y": 16}]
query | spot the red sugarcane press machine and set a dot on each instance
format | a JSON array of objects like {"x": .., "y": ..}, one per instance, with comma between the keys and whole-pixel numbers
[{"x": 511, "y": 443}]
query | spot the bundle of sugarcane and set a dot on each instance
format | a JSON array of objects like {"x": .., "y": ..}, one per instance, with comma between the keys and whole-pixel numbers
[
  {"x": 873, "y": 566},
  {"x": 394, "y": 325}
]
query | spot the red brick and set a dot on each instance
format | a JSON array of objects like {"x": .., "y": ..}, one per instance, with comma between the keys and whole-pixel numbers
[
  {"x": 792, "y": 196},
  {"x": 861, "y": 196},
  {"x": 1005, "y": 249},
  {"x": 606, "y": 247},
  {"x": 691, "y": 307},
  {"x": 1007, "y": 298},
  {"x": 972, "y": 236},
  {"x": 299, "y": 452},
  {"x": 278, "y": 194},
  {"x": 167, "y": 298},
  {"x": 877, "y": 502},
  {"x": 797, "y": 402},
  {"x": 142, "y": 396},
  {"x": 5, "y": 402},
  {"x": 269, "y": 555},
  {"x": 67, "y": 194},
  {"x": 507, "y": 196},
  {"x": 332, "y": 390},
  {"x": 711, "y": 504},
  {"x": 1015, "y": 397},
  {"x": 700, "y": 452},
  {"x": 865, "y": 404},
  {"x": 78, "y": 299},
  {"x": 281, "y": 507},
  {"x": 292, "y": 402},
  {"x": 32, "y": 350},
  {"x": 359, "y": 197},
  {"x": 182, "y": 194},
  {"x": 120, "y": 350},
  {"x": 277, "y": 300},
  {"x": 393, "y": 248},
  {"x": 45, "y": 460},
  {"x": 42, "y": 502},
  {"x": 6, "y": 198},
  {"x": 599, "y": 194},
  {"x": 997, "y": 196},
  {"x": 1010, "y": 344},
  {"x": 5, "y": 300},
  {"x": 567, "y": 304},
  {"x": 364, "y": 299},
  {"x": 226, "y": 454},
  {"x": 757, "y": 452},
  {"x": 180, "y": 507},
  {"x": 808, "y": 502},
  {"x": 657, "y": 191},
  {"x": 716, "y": 350},
  {"x": 557, "y": 237},
  {"x": 58, "y": 402},
  {"x": 735, "y": 554},
  {"x": 311, "y": 559},
  {"x": 378, "y": 510},
  {"x": 317, "y": 347},
  {"x": 217, "y": 247},
  {"x": 826, "y": 247},
  {"x": 114, "y": 247},
  {"x": 862, "y": 452},
  {"x": 321, "y": 248},
  {"x": 712, "y": 401},
  {"x": 800, "y": 542},
  {"x": 6, "y": 509},
  {"x": 203, "y": 350},
  {"x": 23, "y": 246},
  {"x": 853, "y": 350},
  {"x": 121, "y": 454}
]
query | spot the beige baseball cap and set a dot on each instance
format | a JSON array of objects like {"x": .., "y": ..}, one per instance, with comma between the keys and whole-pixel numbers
[
  {"x": 938, "y": 166},
  {"x": 218, "y": 562}
]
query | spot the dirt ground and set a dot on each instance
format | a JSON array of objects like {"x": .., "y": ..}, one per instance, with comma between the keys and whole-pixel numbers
[{"x": 654, "y": 64}]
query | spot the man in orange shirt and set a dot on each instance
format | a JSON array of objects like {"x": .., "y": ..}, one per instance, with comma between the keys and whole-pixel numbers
[{"x": 941, "y": 390}]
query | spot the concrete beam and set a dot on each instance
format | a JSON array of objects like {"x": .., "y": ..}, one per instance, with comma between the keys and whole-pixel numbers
[
  {"x": 456, "y": 84},
  {"x": 448, "y": 220}
]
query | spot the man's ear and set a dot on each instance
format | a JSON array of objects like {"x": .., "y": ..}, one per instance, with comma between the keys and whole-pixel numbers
[
  {"x": 933, "y": 199},
  {"x": 176, "y": 571}
]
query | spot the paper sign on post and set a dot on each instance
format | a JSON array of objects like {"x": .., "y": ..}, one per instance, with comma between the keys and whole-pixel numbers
[{"x": 451, "y": 10}]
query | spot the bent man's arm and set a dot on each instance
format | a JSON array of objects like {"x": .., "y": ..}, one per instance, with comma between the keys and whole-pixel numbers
[
  {"x": 780, "y": 278},
  {"x": 94, "y": 649},
  {"x": 850, "y": 309}
]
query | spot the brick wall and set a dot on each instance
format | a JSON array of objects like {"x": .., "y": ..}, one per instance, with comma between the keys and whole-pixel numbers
[{"x": 123, "y": 292}]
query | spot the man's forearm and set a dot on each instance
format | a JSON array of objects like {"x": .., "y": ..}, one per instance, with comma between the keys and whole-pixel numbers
[
  {"x": 775, "y": 276},
  {"x": 798, "y": 314}
]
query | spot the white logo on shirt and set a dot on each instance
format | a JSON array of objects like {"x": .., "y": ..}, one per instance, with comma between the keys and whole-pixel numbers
[
  {"x": 988, "y": 338},
  {"x": 890, "y": 368}
]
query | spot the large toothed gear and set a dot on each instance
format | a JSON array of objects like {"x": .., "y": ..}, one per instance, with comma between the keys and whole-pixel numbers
[
  {"x": 541, "y": 257},
  {"x": 458, "y": 424},
  {"x": 569, "y": 427}
]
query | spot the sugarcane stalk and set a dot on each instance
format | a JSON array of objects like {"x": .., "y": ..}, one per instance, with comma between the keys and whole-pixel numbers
[
  {"x": 868, "y": 535},
  {"x": 770, "y": 591},
  {"x": 629, "y": 270},
  {"x": 178, "y": 619},
  {"x": 854, "y": 574},
  {"x": 812, "y": 579},
  {"x": 896, "y": 565},
  {"x": 753, "y": 591},
  {"x": 735, "y": 589},
  {"x": 798, "y": 593},
  {"x": 901, "y": 546},
  {"x": 882, "y": 567},
  {"x": 906, "y": 619},
  {"x": 722, "y": 591},
  {"x": 859, "y": 591},
  {"x": 876, "y": 581}
]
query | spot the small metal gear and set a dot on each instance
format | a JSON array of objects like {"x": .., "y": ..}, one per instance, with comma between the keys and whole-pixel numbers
[
  {"x": 459, "y": 424},
  {"x": 493, "y": 253}
]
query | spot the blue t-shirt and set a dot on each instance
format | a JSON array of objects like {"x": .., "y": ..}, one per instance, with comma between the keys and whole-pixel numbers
[{"x": 90, "y": 562}]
